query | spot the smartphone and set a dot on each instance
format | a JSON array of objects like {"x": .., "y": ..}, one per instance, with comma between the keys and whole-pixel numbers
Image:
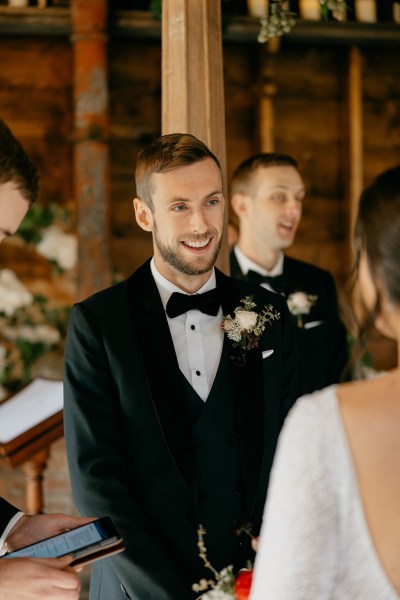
[{"x": 86, "y": 543}]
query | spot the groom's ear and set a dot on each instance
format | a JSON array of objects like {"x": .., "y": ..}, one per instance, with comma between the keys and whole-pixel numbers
[{"x": 143, "y": 214}]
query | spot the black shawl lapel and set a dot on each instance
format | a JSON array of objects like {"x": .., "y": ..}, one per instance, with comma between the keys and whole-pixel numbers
[
  {"x": 235, "y": 269},
  {"x": 250, "y": 404},
  {"x": 161, "y": 368}
]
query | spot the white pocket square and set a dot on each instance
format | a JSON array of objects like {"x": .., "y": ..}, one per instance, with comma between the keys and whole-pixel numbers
[
  {"x": 312, "y": 324},
  {"x": 266, "y": 353}
]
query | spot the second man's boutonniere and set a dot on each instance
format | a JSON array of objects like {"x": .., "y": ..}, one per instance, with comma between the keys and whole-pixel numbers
[
  {"x": 247, "y": 326},
  {"x": 300, "y": 304}
]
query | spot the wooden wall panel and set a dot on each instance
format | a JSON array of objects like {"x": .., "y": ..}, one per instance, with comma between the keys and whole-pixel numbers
[
  {"x": 381, "y": 111},
  {"x": 35, "y": 100},
  {"x": 310, "y": 126},
  {"x": 135, "y": 119}
]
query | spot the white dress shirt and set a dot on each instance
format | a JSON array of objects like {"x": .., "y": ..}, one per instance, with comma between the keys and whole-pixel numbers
[
  {"x": 246, "y": 264},
  {"x": 198, "y": 338},
  {"x": 7, "y": 530}
]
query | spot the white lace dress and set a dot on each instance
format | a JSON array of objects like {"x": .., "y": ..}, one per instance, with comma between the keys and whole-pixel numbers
[{"x": 315, "y": 543}]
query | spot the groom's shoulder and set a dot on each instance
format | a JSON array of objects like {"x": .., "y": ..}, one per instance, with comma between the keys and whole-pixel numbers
[{"x": 118, "y": 291}]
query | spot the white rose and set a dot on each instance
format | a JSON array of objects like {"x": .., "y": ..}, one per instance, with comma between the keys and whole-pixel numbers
[
  {"x": 299, "y": 303},
  {"x": 59, "y": 246},
  {"x": 228, "y": 325},
  {"x": 47, "y": 334},
  {"x": 246, "y": 319},
  {"x": 300, "y": 299},
  {"x": 13, "y": 294}
]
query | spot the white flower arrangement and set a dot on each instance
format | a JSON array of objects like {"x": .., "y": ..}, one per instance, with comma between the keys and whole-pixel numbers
[
  {"x": 13, "y": 294},
  {"x": 29, "y": 328},
  {"x": 41, "y": 228},
  {"x": 281, "y": 20},
  {"x": 60, "y": 247},
  {"x": 299, "y": 304},
  {"x": 246, "y": 326},
  {"x": 32, "y": 327}
]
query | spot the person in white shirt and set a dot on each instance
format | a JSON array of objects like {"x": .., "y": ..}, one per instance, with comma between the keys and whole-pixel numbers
[
  {"x": 168, "y": 424},
  {"x": 267, "y": 195},
  {"x": 331, "y": 527}
]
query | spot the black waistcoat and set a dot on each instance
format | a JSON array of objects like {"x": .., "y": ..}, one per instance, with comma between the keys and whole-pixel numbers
[{"x": 218, "y": 489}]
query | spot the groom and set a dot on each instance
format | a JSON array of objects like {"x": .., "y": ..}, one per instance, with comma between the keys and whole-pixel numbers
[{"x": 168, "y": 424}]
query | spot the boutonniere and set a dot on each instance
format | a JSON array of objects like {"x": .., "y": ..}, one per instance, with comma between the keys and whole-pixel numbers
[
  {"x": 225, "y": 584},
  {"x": 300, "y": 304},
  {"x": 247, "y": 326}
]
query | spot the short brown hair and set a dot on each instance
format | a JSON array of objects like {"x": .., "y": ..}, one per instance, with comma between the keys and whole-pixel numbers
[
  {"x": 16, "y": 166},
  {"x": 241, "y": 178},
  {"x": 164, "y": 154}
]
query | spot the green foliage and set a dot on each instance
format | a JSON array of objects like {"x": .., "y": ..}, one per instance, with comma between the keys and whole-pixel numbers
[
  {"x": 40, "y": 217},
  {"x": 37, "y": 218},
  {"x": 156, "y": 8}
]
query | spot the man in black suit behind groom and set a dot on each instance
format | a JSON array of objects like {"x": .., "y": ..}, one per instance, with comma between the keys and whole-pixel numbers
[
  {"x": 169, "y": 425},
  {"x": 267, "y": 192}
]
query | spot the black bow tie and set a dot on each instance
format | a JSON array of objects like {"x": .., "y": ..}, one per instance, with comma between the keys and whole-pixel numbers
[
  {"x": 208, "y": 303},
  {"x": 277, "y": 283}
]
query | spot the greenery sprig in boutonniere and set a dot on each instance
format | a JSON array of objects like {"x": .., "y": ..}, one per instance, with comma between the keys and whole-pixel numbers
[
  {"x": 247, "y": 326},
  {"x": 300, "y": 304}
]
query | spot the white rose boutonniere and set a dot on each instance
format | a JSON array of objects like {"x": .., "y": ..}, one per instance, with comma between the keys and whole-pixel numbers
[
  {"x": 300, "y": 304},
  {"x": 246, "y": 326}
]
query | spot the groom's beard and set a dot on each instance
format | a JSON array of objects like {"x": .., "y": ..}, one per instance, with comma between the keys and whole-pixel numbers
[{"x": 198, "y": 265}]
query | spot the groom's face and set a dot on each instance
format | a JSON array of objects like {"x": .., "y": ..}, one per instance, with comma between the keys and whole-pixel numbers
[{"x": 187, "y": 219}]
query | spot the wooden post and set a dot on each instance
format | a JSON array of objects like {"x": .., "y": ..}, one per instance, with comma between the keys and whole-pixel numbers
[
  {"x": 355, "y": 155},
  {"x": 192, "y": 78},
  {"x": 355, "y": 134},
  {"x": 33, "y": 470},
  {"x": 91, "y": 156}
]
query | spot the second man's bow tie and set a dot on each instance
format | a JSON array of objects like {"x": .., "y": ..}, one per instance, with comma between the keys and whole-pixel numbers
[
  {"x": 277, "y": 283},
  {"x": 208, "y": 303}
]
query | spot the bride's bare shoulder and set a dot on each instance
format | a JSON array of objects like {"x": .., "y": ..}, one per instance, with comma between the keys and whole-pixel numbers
[{"x": 370, "y": 396}]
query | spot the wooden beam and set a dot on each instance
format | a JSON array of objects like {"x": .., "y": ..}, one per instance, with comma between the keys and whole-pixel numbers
[
  {"x": 192, "y": 78},
  {"x": 356, "y": 159},
  {"x": 91, "y": 155}
]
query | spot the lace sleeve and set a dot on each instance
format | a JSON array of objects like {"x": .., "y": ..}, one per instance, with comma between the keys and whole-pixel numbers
[{"x": 296, "y": 555}]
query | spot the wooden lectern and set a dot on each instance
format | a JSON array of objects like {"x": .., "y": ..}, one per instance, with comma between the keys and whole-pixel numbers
[{"x": 30, "y": 422}]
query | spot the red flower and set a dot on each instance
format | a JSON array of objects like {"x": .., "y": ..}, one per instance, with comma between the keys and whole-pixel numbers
[{"x": 243, "y": 584}]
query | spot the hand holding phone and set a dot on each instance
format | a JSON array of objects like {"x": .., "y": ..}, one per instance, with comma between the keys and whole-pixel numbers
[{"x": 85, "y": 544}]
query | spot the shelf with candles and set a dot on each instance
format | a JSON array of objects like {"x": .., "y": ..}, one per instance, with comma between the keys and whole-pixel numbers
[{"x": 240, "y": 29}]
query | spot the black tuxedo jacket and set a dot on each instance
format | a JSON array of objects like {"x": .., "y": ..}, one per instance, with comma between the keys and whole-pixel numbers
[
  {"x": 129, "y": 446},
  {"x": 7, "y": 511},
  {"x": 322, "y": 340}
]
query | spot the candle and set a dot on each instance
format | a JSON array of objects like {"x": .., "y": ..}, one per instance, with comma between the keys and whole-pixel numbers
[
  {"x": 257, "y": 8},
  {"x": 396, "y": 12},
  {"x": 366, "y": 11},
  {"x": 310, "y": 10}
]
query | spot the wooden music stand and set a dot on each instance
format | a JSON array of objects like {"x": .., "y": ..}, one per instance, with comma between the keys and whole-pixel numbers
[{"x": 30, "y": 421}]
